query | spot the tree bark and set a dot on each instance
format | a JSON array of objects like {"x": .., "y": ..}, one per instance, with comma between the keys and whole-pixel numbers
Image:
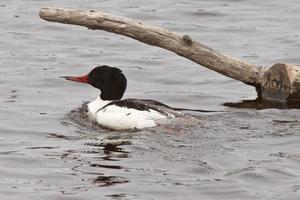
[{"x": 279, "y": 82}]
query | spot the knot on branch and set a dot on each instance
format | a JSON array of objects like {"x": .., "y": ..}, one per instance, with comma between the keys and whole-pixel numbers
[{"x": 187, "y": 40}]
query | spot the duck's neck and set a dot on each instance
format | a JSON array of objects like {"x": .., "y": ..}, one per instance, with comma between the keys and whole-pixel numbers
[{"x": 95, "y": 105}]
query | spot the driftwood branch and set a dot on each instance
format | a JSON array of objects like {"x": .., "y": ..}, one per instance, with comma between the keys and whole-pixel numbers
[{"x": 279, "y": 82}]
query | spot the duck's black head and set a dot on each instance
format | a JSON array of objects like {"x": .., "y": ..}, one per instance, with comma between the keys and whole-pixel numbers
[{"x": 109, "y": 80}]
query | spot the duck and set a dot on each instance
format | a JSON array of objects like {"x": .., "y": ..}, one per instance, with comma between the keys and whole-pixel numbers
[{"x": 110, "y": 111}]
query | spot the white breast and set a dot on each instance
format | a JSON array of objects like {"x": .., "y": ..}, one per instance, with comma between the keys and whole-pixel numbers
[
  {"x": 122, "y": 118},
  {"x": 94, "y": 106}
]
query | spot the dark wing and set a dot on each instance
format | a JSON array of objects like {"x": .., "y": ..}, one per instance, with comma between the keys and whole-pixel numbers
[{"x": 144, "y": 105}]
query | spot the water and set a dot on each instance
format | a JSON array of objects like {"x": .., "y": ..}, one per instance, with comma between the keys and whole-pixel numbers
[{"x": 46, "y": 152}]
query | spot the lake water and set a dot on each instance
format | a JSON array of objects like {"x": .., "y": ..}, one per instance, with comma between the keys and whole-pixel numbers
[{"x": 48, "y": 153}]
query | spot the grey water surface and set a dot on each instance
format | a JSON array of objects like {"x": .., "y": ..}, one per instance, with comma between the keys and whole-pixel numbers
[{"x": 47, "y": 152}]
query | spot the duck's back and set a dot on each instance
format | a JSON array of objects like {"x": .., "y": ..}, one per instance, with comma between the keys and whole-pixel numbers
[{"x": 132, "y": 114}]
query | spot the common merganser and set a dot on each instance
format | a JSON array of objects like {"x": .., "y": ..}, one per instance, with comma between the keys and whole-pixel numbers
[{"x": 109, "y": 111}]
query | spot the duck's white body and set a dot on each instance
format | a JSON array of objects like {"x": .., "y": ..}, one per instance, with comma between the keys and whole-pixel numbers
[{"x": 123, "y": 118}]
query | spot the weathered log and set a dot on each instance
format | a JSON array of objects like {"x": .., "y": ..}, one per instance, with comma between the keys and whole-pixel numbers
[{"x": 279, "y": 82}]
